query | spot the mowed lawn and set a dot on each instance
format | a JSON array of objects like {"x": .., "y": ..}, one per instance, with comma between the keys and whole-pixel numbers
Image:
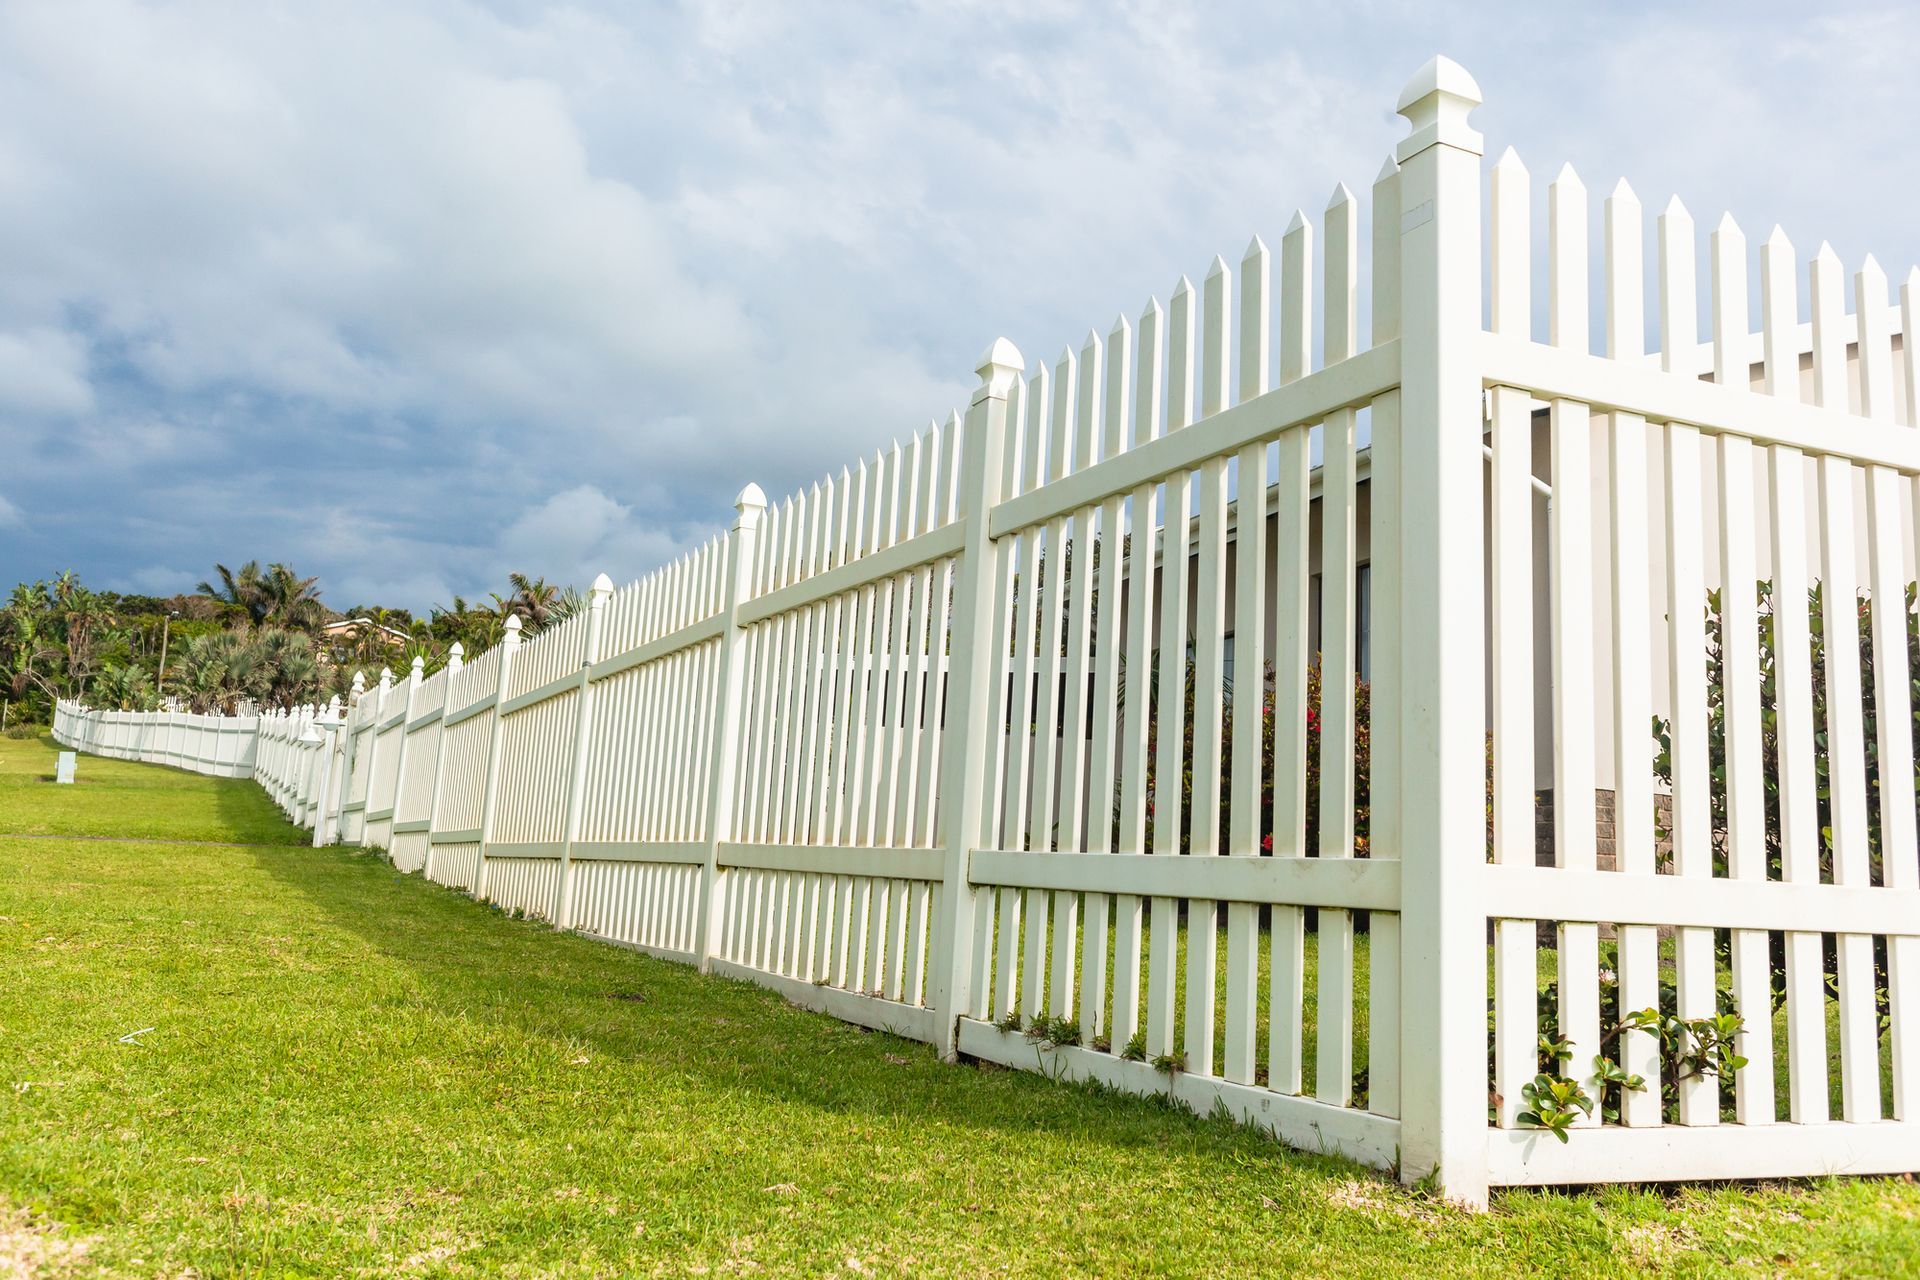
[{"x": 339, "y": 1070}]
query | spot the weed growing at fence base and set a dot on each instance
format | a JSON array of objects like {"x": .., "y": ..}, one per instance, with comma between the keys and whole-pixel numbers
[{"x": 353, "y": 1071}]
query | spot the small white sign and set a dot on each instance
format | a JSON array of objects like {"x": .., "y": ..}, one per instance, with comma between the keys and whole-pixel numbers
[{"x": 66, "y": 767}]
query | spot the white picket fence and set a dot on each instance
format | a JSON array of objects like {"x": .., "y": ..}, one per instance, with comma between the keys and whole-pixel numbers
[
  {"x": 223, "y": 746},
  {"x": 890, "y": 747}
]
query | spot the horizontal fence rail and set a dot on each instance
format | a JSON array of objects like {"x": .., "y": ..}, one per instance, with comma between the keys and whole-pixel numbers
[{"x": 1481, "y": 752}]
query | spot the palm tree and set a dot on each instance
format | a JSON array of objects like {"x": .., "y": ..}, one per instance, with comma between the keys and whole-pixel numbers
[
  {"x": 278, "y": 595},
  {"x": 570, "y": 603},
  {"x": 83, "y": 616},
  {"x": 533, "y": 599},
  {"x": 238, "y": 591},
  {"x": 289, "y": 600},
  {"x": 27, "y": 643}
]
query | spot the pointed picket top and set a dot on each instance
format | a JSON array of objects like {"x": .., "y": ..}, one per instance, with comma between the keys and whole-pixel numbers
[
  {"x": 1567, "y": 260},
  {"x": 1779, "y": 315},
  {"x": 1256, "y": 319},
  {"x": 1092, "y": 342},
  {"x": 1625, "y": 284},
  {"x": 1829, "y": 342},
  {"x": 1390, "y": 168},
  {"x": 1183, "y": 290},
  {"x": 1122, "y": 329},
  {"x": 1151, "y": 312},
  {"x": 1876, "y": 343},
  {"x": 1511, "y": 197},
  {"x": 1342, "y": 194},
  {"x": 1679, "y": 301},
  {"x": 1216, "y": 268},
  {"x": 1296, "y": 298},
  {"x": 1037, "y": 381},
  {"x": 1732, "y": 360}
]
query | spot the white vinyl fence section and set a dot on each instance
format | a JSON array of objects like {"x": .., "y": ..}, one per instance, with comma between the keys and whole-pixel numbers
[
  {"x": 902, "y": 745},
  {"x": 222, "y": 746}
]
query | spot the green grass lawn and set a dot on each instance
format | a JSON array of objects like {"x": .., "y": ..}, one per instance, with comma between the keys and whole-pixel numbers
[
  {"x": 353, "y": 1072},
  {"x": 121, "y": 798}
]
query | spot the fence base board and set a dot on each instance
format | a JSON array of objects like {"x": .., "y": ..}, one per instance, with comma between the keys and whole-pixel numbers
[
  {"x": 662, "y": 953},
  {"x": 1299, "y": 1122},
  {"x": 1677, "y": 1153},
  {"x": 910, "y": 1021}
]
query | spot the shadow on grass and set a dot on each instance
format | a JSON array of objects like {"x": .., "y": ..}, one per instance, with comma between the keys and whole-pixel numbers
[{"x": 473, "y": 961}]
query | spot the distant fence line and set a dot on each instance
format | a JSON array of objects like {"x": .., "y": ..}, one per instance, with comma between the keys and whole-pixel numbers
[{"x": 898, "y": 747}]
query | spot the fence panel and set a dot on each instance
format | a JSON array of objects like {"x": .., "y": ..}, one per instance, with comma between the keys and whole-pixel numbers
[{"x": 1729, "y": 559}]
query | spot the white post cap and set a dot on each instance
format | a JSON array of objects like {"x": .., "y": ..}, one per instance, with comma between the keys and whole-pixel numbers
[{"x": 1436, "y": 103}]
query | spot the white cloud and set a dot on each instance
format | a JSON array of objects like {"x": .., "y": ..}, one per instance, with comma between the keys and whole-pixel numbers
[
  {"x": 372, "y": 287},
  {"x": 11, "y": 517},
  {"x": 573, "y": 536},
  {"x": 44, "y": 371}
]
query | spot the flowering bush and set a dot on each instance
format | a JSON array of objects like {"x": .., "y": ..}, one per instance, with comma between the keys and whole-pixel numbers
[{"x": 1310, "y": 727}]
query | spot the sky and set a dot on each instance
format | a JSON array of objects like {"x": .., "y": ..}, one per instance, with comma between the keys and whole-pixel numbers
[{"x": 412, "y": 294}]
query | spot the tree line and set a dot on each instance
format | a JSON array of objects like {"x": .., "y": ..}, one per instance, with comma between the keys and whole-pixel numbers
[{"x": 252, "y": 636}]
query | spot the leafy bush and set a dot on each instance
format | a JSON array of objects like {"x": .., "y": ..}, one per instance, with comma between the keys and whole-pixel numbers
[{"x": 1769, "y": 698}]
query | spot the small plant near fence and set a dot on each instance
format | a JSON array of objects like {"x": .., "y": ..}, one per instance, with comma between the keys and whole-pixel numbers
[{"x": 1689, "y": 1048}]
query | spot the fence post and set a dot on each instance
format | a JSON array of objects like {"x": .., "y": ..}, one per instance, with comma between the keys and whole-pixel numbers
[
  {"x": 333, "y": 776},
  {"x": 971, "y": 648},
  {"x": 373, "y": 753},
  {"x": 456, "y": 658},
  {"x": 416, "y": 675},
  {"x": 1442, "y": 688},
  {"x": 597, "y": 596},
  {"x": 490, "y": 797},
  {"x": 730, "y": 690}
]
